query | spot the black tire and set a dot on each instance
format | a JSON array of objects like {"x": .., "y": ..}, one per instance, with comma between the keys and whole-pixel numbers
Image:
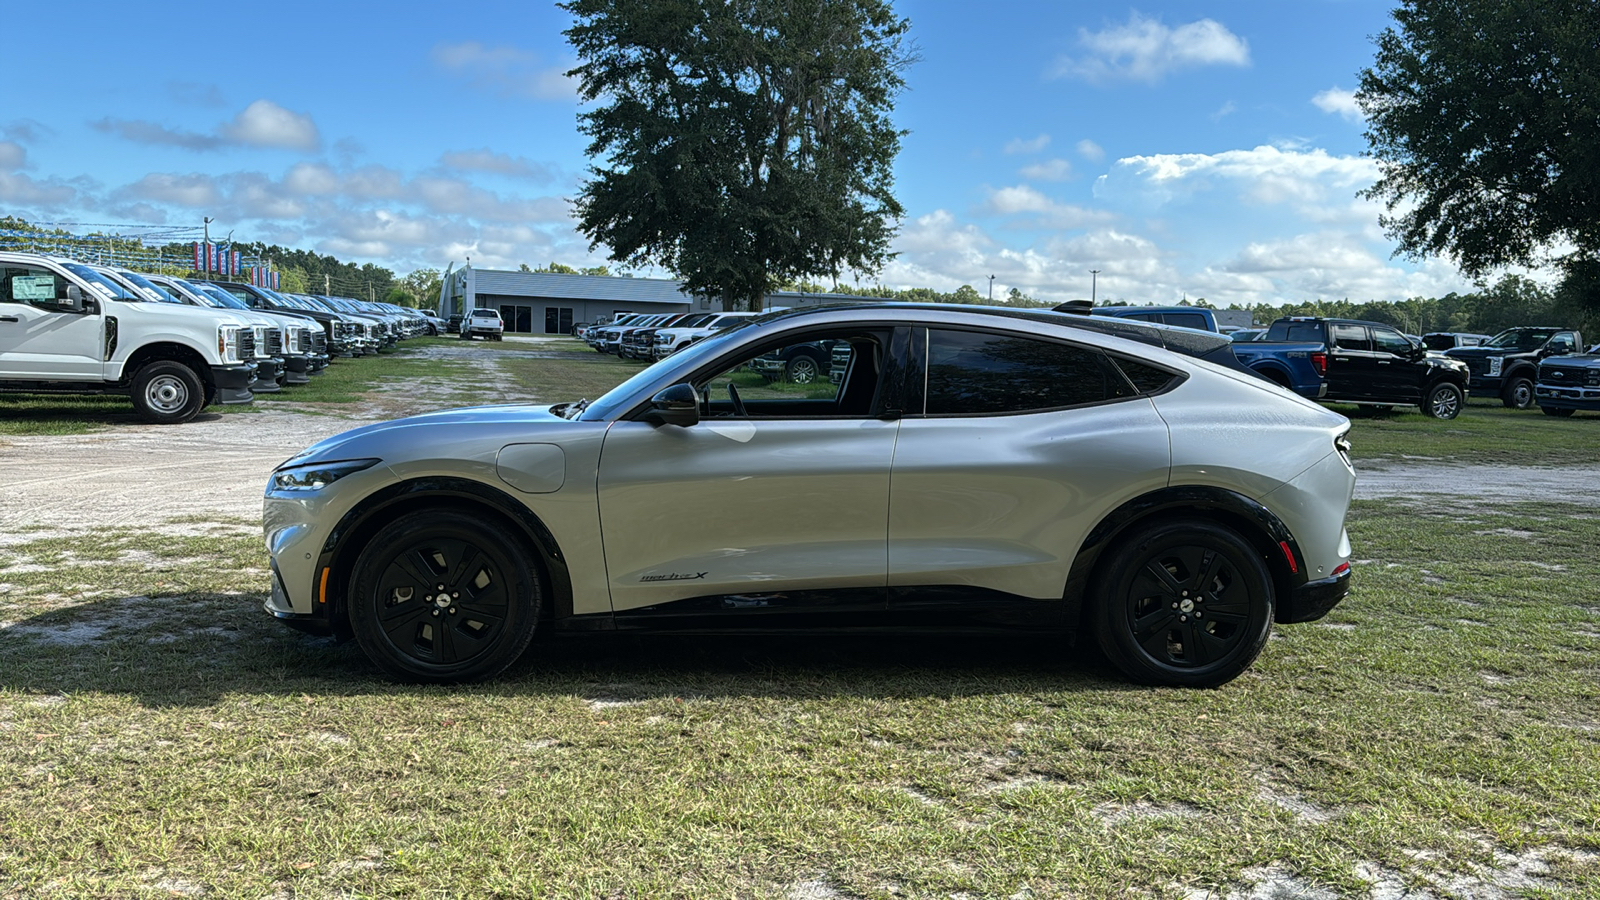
[
  {"x": 1556, "y": 411},
  {"x": 1151, "y": 598},
  {"x": 1518, "y": 393},
  {"x": 1379, "y": 410},
  {"x": 802, "y": 369},
  {"x": 444, "y": 597},
  {"x": 166, "y": 392},
  {"x": 466, "y": 335},
  {"x": 1444, "y": 401}
]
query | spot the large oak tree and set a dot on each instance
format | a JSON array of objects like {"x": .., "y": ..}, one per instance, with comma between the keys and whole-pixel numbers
[
  {"x": 740, "y": 143},
  {"x": 1484, "y": 116}
]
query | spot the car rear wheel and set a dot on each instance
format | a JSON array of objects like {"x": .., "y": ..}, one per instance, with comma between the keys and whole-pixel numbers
[
  {"x": 803, "y": 369},
  {"x": 444, "y": 597},
  {"x": 1555, "y": 411},
  {"x": 1186, "y": 603},
  {"x": 1518, "y": 393},
  {"x": 1443, "y": 401}
]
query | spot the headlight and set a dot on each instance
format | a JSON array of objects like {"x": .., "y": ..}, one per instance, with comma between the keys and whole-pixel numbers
[
  {"x": 1494, "y": 365},
  {"x": 316, "y": 476},
  {"x": 228, "y": 343}
]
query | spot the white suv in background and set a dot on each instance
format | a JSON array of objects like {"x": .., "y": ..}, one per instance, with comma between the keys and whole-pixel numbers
[{"x": 671, "y": 340}]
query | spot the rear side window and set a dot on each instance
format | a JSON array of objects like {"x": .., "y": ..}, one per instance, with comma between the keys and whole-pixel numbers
[
  {"x": 1147, "y": 379},
  {"x": 1186, "y": 320},
  {"x": 1350, "y": 337},
  {"x": 972, "y": 373}
]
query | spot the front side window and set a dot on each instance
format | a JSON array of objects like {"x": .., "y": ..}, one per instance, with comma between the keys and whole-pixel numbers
[
  {"x": 796, "y": 380},
  {"x": 32, "y": 286},
  {"x": 976, "y": 373},
  {"x": 1387, "y": 341}
]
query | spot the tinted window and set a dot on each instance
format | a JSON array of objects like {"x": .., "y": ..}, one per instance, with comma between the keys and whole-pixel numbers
[
  {"x": 1390, "y": 341},
  {"x": 1350, "y": 337},
  {"x": 1186, "y": 320},
  {"x": 1295, "y": 331},
  {"x": 1147, "y": 379},
  {"x": 971, "y": 372}
]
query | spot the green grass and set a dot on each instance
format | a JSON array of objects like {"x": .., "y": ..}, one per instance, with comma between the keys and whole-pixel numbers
[
  {"x": 1485, "y": 432},
  {"x": 159, "y": 733}
]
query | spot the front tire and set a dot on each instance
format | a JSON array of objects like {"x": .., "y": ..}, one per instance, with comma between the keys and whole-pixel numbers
[
  {"x": 1518, "y": 393},
  {"x": 1186, "y": 603},
  {"x": 1556, "y": 411},
  {"x": 444, "y": 597},
  {"x": 803, "y": 369},
  {"x": 1444, "y": 401},
  {"x": 166, "y": 392}
]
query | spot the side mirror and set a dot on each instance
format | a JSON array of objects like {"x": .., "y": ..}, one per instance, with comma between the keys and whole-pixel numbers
[
  {"x": 74, "y": 301},
  {"x": 1419, "y": 351},
  {"x": 677, "y": 405}
]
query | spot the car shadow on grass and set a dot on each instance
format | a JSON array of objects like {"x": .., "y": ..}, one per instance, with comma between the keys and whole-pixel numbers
[{"x": 191, "y": 649}]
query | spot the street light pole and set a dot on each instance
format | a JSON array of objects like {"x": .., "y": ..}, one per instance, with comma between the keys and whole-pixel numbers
[
  {"x": 1094, "y": 284},
  {"x": 991, "y": 288}
]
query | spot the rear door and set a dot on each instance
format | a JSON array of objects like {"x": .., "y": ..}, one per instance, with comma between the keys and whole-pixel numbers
[
  {"x": 1352, "y": 368},
  {"x": 1398, "y": 378}
]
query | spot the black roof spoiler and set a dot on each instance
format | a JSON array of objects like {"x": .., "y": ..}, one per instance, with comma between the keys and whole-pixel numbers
[{"x": 1076, "y": 307}]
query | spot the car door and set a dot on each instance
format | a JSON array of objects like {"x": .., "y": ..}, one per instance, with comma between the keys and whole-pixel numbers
[
  {"x": 775, "y": 501},
  {"x": 1018, "y": 445},
  {"x": 41, "y": 337},
  {"x": 1352, "y": 369},
  {"x": 1397, "y": 377}
]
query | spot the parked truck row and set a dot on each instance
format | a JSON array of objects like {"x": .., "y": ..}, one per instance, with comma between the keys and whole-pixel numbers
[{"x": 172, "y": 346}]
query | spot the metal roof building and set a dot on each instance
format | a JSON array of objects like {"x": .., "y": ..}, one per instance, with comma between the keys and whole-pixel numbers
[{"x": 548, "y": 303}]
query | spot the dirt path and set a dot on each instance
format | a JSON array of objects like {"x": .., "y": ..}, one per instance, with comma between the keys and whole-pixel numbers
[{"x": 1478, "y": 484}]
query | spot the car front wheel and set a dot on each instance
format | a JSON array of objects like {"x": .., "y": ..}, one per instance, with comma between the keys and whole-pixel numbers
[
  {"x": 803, "y": 369},
  {"x": 167, "y": 393},
  {"x": 1186, "y": 603},
  {"x": 1443, "y": 401},
  {"x": 1518, "y": 394},
  {"x": 444, "y": 597}
]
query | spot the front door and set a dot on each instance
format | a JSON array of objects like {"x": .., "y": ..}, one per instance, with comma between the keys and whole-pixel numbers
[
  {"x": 1352, "y": 369},
  {"x": 41, "y": 340},
  {"x": 779, "y": 490},
  {"x": 1398, "y": 377}
]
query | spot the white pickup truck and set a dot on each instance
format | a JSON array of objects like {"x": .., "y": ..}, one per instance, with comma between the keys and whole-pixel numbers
[{"x": 67, "y": 329}]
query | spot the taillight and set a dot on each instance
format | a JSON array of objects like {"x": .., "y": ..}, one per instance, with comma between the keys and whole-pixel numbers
[{"x": 1319, "y": 361}]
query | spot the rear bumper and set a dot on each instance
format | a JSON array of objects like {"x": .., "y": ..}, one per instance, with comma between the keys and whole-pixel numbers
[{"x": 1314, "y": 599}]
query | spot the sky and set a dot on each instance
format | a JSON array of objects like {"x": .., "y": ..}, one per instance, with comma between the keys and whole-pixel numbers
[{"x": 1185, "y": 150}]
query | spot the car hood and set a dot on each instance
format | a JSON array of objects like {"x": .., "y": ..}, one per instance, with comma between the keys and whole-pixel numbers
[
  {"x": 1481, "y": 352},
  {"x": 380, "y": 441}
]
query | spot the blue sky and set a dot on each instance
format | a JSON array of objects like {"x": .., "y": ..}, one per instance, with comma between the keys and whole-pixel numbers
[{"x": 1184, "y": 149}]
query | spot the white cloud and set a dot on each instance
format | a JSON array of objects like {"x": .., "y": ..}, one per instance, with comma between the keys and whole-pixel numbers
[
  {"x": 1264, "y": 175},
  {"x": 486, "y": 160},
  {"x": 191, "y": 191},
  {"x": 19, "y": 190},
  {"x": 1022, "y": 200},
  {"x": 1147, "y": 50},
  {"x": 1227, "y": 109},
  {"x": 1032, "y": 145},
  {"x": 12, "y": 156},
  {"x": 141, "y": 132},
  {"x": 1090, "y": 150},
  {"x": 266, "y": 124},
  {"x": 1049, "y": 170},
  {"x": 1340, "y": 102},
  {"x": 506, "y": 70}
]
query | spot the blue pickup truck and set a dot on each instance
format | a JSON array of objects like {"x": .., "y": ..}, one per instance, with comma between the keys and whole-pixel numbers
[{"x": 1349, "y": 361}]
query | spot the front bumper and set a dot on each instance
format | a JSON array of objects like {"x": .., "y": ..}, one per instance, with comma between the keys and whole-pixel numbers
[
  {"x": 297, "y": 370},
  {"x": 1314, "y": 599},
  {"x": 233, "y": 383},
  {"x": 1567, "y": 397},
  {"x": 267, "y": 372}
]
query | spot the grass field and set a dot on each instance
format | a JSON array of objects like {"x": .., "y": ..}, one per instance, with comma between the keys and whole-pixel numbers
[{"x": 1438, "y": 733}]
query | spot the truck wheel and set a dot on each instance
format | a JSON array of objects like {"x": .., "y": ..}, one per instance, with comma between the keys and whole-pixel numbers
[
  {"x": 444, "y": 597},
  {"x": 1556, "y": 411},
  {"x": 167, "y": 393},
  {"x": 803, "y": 369},
  {"x": 1443, "y": 401},
  {"x": 1518, "y": 393},
  {"x": 1186, "y": 603}
]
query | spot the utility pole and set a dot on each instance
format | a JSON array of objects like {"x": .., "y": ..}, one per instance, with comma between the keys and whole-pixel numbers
[
  {"x": 326, "y": 289},
  {"x": 991, "y": 288},
  {"x": 1094, "y": 284},
  {"x": 206, "y": 221}
]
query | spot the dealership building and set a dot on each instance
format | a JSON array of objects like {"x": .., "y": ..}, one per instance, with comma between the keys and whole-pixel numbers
[{"x": 547, "y": 303}]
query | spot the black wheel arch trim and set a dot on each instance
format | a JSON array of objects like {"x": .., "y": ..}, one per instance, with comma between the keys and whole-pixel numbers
[
  {"x": 380, "y": 507},
  {"x": 1255, "y": 523}
]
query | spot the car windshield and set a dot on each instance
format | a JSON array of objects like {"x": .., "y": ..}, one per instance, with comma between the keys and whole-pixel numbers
[
  {"x": 103, "y": 285},
  {"x": 222, "y": 297},
  {"x": 613, "y": 402},
  {"x": 152, "y": 290},
  {"x": 1521, "y": 338}
]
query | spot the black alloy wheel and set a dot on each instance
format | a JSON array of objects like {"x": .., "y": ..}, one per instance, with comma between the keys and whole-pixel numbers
[
  {"x": 1186, "y": 603},
  {"x": 444, "y": 597}
]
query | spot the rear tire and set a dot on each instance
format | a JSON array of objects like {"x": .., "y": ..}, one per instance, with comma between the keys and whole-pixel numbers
[
  {"x": 166, "y": 392},
  {"x": 1185, "y": 603},
  {"x": 1556, "y": 411},
  {"x": 1444, "y": 401},
  {"x": 444, "y": 597},
  {"x": 1518, "y": 393}
]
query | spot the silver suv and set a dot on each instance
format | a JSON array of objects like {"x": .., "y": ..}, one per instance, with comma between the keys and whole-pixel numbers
[{"x": 970, "y": 469}]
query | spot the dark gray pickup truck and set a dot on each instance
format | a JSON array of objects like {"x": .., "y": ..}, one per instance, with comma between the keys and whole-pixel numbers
[{"x": 1507, "y": 364}]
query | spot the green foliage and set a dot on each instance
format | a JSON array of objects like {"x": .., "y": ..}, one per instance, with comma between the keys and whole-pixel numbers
[
  {"x": 556, "y": 268},
  {"x": 1511, "y": 301},
  {"x": 740, "y": 145},
  {"x": 423, "y": 286},
  {"x": 1484, "y": 116}
]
